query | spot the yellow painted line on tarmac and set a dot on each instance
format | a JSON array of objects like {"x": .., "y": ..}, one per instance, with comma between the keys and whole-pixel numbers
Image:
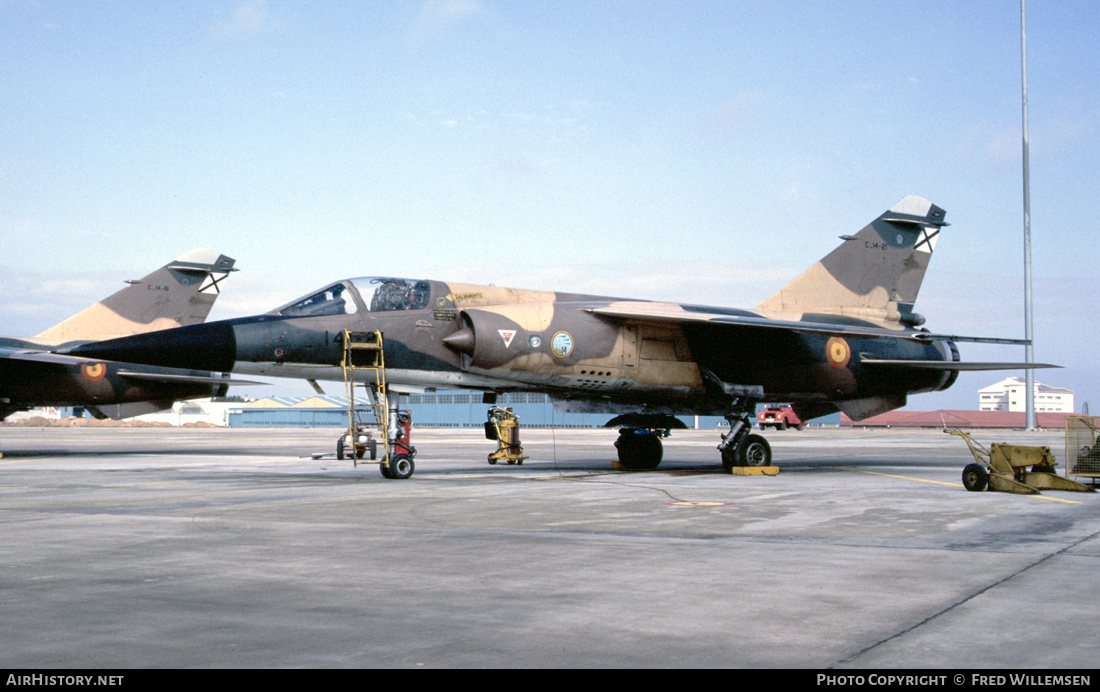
[
  {"x": 1058, "y": 499},
  {"x": 954, "y": 485},
  {"x": 907, "y": 478}
]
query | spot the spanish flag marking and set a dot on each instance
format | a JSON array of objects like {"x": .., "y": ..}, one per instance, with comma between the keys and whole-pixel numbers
[
  {"x": 838, "y": 352},
  {"x": 93, "y": 372}
]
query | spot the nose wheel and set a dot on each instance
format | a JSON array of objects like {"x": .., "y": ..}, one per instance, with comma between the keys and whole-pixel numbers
[{"x": 401, "y": 466}]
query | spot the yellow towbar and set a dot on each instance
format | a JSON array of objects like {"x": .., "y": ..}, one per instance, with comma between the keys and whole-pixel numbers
[{"x": 1003, "y": 467}]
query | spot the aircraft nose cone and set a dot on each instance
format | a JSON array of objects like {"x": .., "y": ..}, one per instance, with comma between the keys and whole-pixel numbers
[
  {"x": 462, "y": 341},
  {"x": 210, "y": 346}
]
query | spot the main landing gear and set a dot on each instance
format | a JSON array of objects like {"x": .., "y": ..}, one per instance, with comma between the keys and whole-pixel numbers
[
  {"x": 640, "y": 434},
  {"x": 640, "y": 449},
  {"x": 741, "y": 448}
]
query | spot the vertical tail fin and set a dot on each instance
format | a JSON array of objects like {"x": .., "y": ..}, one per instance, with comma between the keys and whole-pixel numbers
[
  {"x": 180, "y": 293},
  {"x": 876, "y": 273}
]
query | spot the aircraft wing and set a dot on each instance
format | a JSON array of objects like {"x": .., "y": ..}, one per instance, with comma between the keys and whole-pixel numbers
[
  {"x": 681, "y": 314},
  {"x": 667, "y": 312},
  {"x": 953, "y": 365}
]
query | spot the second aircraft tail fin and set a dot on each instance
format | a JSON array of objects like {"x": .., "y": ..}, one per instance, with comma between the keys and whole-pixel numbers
[{"x": 178, "y": 294}]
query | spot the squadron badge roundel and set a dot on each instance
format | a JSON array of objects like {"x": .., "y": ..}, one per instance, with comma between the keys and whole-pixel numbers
[
  {"x": 561, "y": 344},
  {"x": 93, "y": 372},
  {"x": 838, "y": 352}
]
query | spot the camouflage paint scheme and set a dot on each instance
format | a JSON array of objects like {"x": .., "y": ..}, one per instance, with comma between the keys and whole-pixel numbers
[
  {"x": 842, "y": 336},
  {"x": 181, "y": 293}
]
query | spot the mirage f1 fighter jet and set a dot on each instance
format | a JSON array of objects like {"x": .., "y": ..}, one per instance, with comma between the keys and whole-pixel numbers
[
  {"x": 180, "y": 293},
  {"x": 843, "y": 336}
]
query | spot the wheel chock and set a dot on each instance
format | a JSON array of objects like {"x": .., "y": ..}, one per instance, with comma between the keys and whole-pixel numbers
[{"x": 754, "y": 470}]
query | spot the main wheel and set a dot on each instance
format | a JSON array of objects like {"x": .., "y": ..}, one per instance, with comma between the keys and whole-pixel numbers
[
  {"x": 639, "y": 450},
  {"x": 754, "y": 450},
  {"x": 340, "y": 449},
  {"x": 975, "y": 477}
]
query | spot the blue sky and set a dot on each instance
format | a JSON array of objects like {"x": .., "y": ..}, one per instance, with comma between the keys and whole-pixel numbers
[{"x": 700, "y": 151}]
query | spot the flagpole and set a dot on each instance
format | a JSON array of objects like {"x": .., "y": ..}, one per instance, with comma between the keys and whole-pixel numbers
[{"x": 1029, "y": 354}]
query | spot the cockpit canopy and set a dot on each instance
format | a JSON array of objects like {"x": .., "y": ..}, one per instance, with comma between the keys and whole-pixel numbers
[{"x": 370, "y": 293}]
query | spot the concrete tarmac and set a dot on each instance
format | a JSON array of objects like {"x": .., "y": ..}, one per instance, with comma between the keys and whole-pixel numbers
[{"x": 139, "y": 547}]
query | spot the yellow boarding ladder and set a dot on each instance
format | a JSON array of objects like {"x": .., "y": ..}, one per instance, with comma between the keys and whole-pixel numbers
[{"x": 363, "y": 351}]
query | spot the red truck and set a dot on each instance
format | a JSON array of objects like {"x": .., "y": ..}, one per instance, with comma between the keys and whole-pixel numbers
[{"x": 778, "y": 416}]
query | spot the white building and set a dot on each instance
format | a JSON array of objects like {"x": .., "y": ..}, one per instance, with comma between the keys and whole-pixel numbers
[{"x": 1010, "y": 395}]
